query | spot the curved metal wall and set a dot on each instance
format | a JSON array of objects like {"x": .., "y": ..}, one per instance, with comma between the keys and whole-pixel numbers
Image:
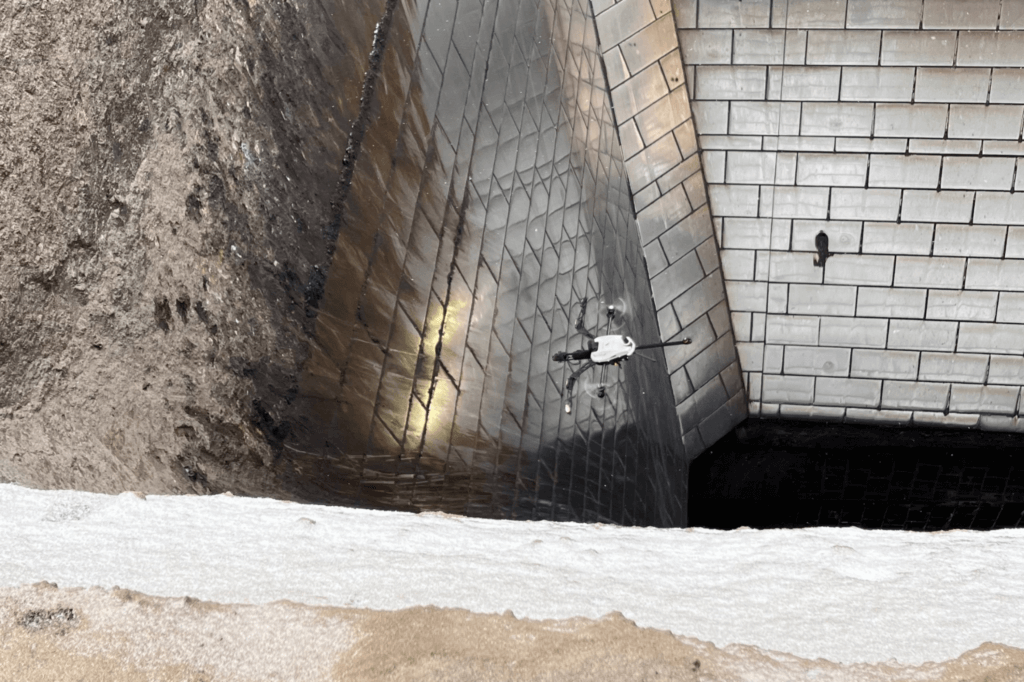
[{"x": 487, "y": 198}]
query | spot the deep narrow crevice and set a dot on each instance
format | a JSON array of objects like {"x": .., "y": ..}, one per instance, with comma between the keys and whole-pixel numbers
[
  {"x": 438, "y": 364},
  {"x": 457, "y": 242}
]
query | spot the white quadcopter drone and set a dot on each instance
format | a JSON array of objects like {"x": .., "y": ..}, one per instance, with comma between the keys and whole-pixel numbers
[{"x": 601, "y": 350}]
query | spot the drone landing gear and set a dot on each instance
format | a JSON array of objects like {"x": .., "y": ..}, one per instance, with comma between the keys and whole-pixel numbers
[{"x": 571, "y": 383}]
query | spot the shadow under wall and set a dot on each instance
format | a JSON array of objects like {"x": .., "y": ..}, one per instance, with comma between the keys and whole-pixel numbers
[
  {"x": 779, "y": 474},
  {"x": 486, "y": 198}
]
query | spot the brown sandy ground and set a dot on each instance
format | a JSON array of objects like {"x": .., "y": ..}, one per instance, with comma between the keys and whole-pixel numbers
[{"x": 47, "y": 633}]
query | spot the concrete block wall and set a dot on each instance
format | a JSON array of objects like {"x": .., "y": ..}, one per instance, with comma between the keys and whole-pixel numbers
[
  {"x": 644, "y": 66},
  {"x": 895, "y": 128}
]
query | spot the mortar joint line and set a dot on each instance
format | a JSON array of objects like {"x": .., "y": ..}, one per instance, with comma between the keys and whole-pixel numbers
[{"x": 778, "y": 141}]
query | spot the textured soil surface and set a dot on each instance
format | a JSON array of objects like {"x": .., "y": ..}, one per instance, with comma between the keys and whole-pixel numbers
[
  {"x": 47, "y": 633},
  {"x": 160, "y": 224}
]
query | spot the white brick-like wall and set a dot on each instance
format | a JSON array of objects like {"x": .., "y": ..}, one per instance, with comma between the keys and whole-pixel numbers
[
  {"x": 856, "y": 332},
  {"x": 979, "y": 306},
  {"x": 884, "y": 364},
  {"x": 894, "y": 127},
  {"x": 899, "y": 171},
  {"x": 969, "y": 240},
  {"x": 929, "y": 271}
]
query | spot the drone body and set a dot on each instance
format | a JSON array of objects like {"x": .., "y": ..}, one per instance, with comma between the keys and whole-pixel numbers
[{"x": 612, "y": 348}]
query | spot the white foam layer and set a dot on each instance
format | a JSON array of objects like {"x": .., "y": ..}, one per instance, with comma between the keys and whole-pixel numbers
[{"x": 844, "y": 594}]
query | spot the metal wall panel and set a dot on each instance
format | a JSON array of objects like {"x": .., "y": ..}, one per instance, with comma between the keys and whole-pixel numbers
[
  {"x": 490, "y": 198},
  {"x": 669, "y": 187}
]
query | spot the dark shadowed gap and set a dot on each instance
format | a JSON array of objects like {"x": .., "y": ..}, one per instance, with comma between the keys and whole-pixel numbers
[{"x": 776, "y": 474}]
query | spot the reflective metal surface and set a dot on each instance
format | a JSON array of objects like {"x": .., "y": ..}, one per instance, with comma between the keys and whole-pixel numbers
[{"x": 486, "y": 199}]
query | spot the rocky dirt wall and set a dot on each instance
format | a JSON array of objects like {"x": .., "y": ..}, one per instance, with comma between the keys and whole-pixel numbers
[{"x": 166, "y": 175}]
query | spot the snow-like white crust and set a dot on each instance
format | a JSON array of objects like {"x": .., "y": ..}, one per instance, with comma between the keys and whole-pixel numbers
[{"x": 844, "y": 594}]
